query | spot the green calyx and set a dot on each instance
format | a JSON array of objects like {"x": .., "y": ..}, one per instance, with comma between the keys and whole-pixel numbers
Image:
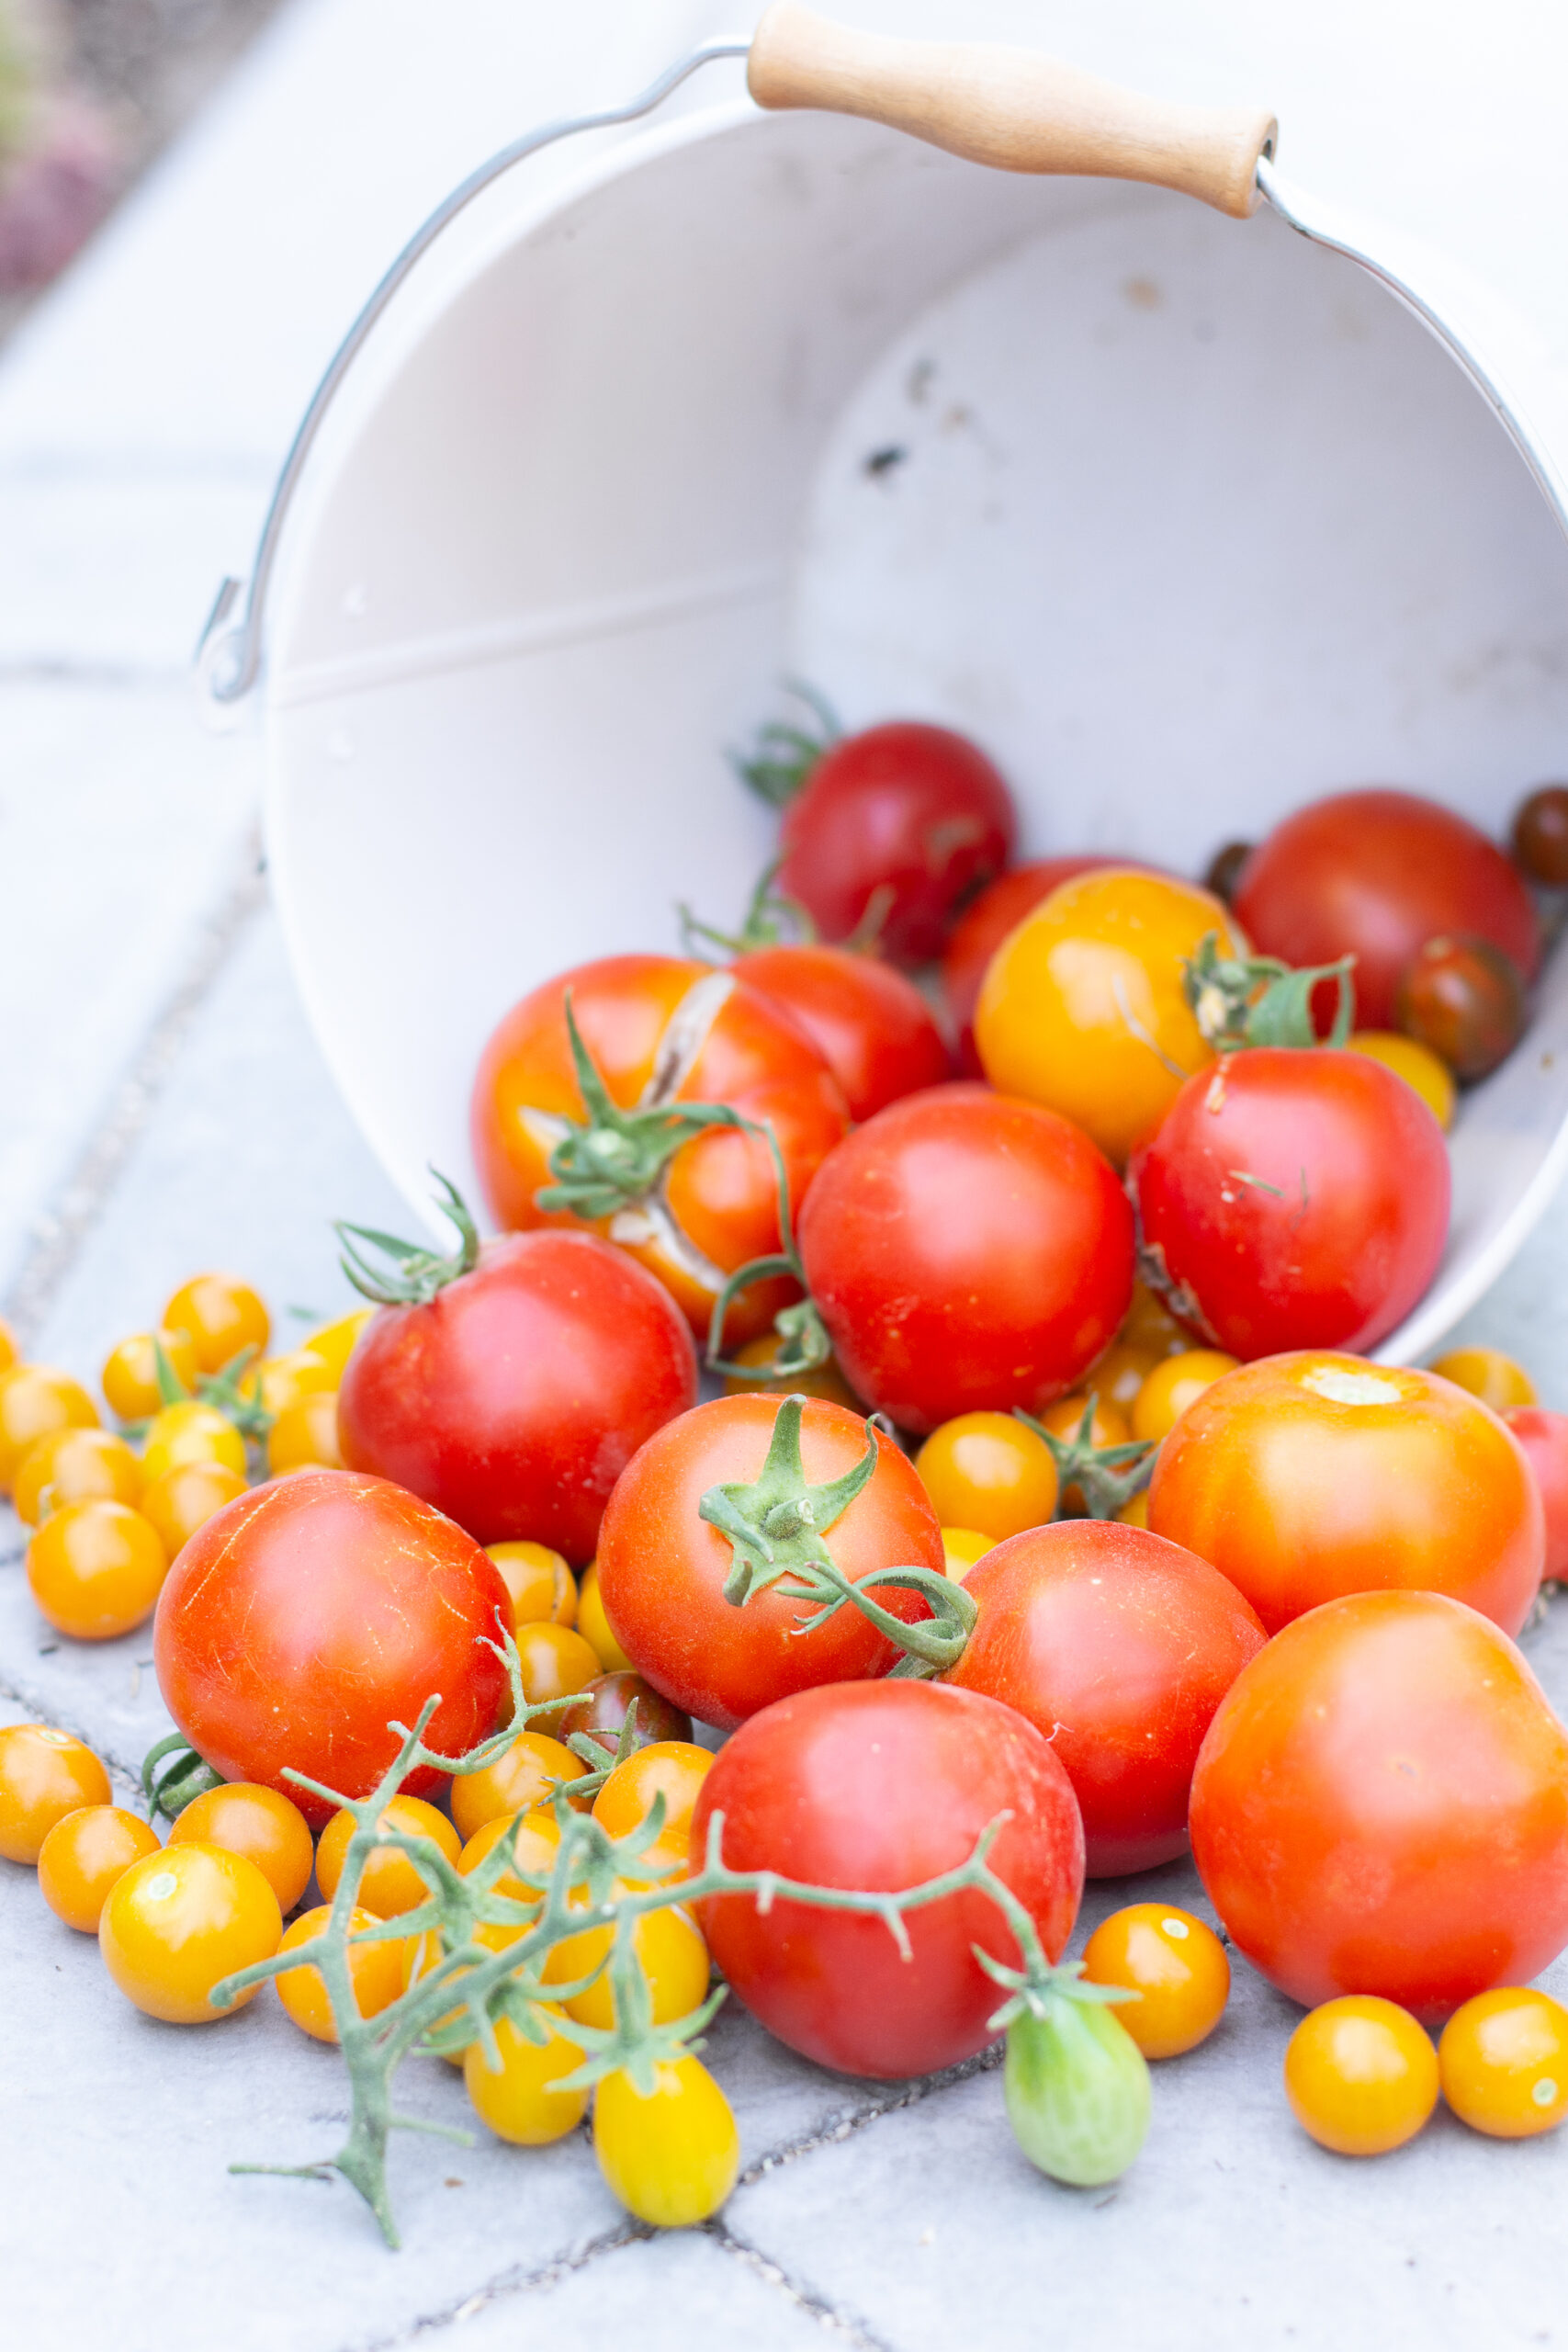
[
  {"x": 412, "y": 1275},
  {"x": 1257, "y": 1000},
  {"x": 1107, "y": 1477},
  {"x": 804, "y": 1344},
  {"x": 783, "y": 757},
  {"x": 221, "y": 1389},
  {"x": 771, "y": 919},
  {"x": 184, "y": 1778}
]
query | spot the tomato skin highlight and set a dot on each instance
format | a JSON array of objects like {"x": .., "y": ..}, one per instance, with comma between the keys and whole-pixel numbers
[
  {"x": 1381, "y": 1806},
  {"x": 870, "y": 1025},
  {"x": 881, "y": 1785},
  {"x": 967, "y": 1253},
  {"x": 308, "y": 1613}
]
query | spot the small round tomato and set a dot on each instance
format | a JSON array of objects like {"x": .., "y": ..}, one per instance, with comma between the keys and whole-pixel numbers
[
  {"x": 962, "y": 1546},
  {"x": 1414, "y": 1063},
  {"x": 279, "y": 1382},
  {"x": 35, "y": 1401},
  {"x": 538, "y": 1583},
  {"x": 1544, "y": 1438},
  {"x": 191, "y": 1432},
  {"x": 1488, "y": 1374},
  {"x": 304, "y": 1436},
  {"x": 44, "y": 1775},
  {"x": 1464, "y": 1001},
  {"x": 221, "y": 1315},
  {"x": 1223, "y": 870},
  {"x": 1361, "y": 2075},
  {"x": 1172, "y": 1385},
  {"x": 375, "y": 1970},
  {"x": 986, "y": 922},
  {"x": 1504, "y": 2061},
  {"x": 1119, "y": 1374},
  {"x": 755, "y": 1375},
  {"x": 264, "y": 1825},
  {"x": 335, "y": 1342},
  {"x": 1150, "y": 1325},
  {"x": 186, "y": 1497},
  {"x": 671, "y": 2157},
  {"x": 537, "y": 1838},
  {"x": 870, "y": 1025},
  {"x": 671, "y": 1769},
  {"x": 522, "y": 1776},
  {"x": 85, "y": 1855},
  {"x": 1540, "y": 835},
  {"x": 389, "y": 1884},
  {"x": 1310, "y": 1476},
  {"x": 518, "y": 2097},
  {"x": 1174, "y": 1962},
  {"x": 177, "y": 1921},
  {"x": 1137, "y": 1512},
  {"x": 1083, "y": 1007},
  {"x": 129, "y": 1376},
  {"x": 988, "y": 1471},
  {"x": 10, "y": 1353},
  {"x": 602, "y": 1710},
  {"x": 674, "y": 1961},
  {"x": 74, "y": 1466},
  {"x": 594, "y": 1626},
  {"x": 553, "y": 1661},
  {"x": 95, "y": 1569}
]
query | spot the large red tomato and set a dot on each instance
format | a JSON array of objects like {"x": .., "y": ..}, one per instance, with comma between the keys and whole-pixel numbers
[
  {"x": 1306, "y": 1477},
  {"x": 1544, "y": 1437},
  {"x": 966, "y": 1251},
  {"x": 1376, "y": 873},
  {"x": 514, "y": 1399},
  {"x": 870, "y": 1025},
  {"x": 1118, "y": 1646},
  {"x": 1293, "y": 1197},
  {"x": 663, "y": 1032},
  {"x": 882, "y": 1785},
  {"x": 1382, "y": 1806},
  {"x": 308, "y": 1614},
  {"x": 985, "y": 924},
  {"x": 662, "y": 1567}
]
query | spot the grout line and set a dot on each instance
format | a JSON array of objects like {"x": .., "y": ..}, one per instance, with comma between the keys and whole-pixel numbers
[
  {"x": 116, "y": 1768},
  {"x": 847, "y": 2123},
  {"x": 832, "y": 2323},
  {"x": 513, "y": 2282}
]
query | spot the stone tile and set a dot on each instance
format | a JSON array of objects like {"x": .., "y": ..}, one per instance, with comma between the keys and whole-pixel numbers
[{"x": 687, "y": 2286}]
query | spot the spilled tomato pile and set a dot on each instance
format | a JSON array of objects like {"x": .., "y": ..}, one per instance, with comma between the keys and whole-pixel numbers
[{"x": 1046, "y": 1516}]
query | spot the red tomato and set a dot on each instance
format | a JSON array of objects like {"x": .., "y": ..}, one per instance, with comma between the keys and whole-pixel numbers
[
  {"x": 881, "y": 1785},
  {"x": 904, "y": 823},
  {"x": 1293, "y": 1197},
  {"x": 966, "y": 1251},
  {"x": 1544, "y": 1437},
  {"x": 305, "y": 1615},
  {"x": 1376, "y": 873},
  {"x": 870, "y": 1025},
  {"x": 662, "y": 1031},
  {"x": 1118, "y": 1646},
  {"x": 514, "y": 1400},
  {"x": 985, "y": 924},
  {"x": 1306, "y": 1477},
  {"x": 1382, "y": 1806},
  {"x": 662, "y": 1568}
]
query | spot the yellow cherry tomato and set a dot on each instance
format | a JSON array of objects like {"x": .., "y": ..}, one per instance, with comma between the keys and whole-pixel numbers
[
  {"x": 1137, "y": 1512},
  {"x": 375, "y": 1970},
  {"x": 757, "y": 1355},
  {"x": 74, "y": 1466},
  {"x": 262, "y": 1824},
  {"x": 674, "y": 2158},
  {"x": 186, "y": 1497},
  {"x": 389, "y": 1884},
  {"x": 1082, "y": 1006},
  {"x": 553, "y": 1661},
  {"x": 1120, "y": 1373},
  {"x": 1361, "y": 2075},
  {"x": 523, "y": 1775},
  {"x": 672, "y": 1769},
  {"x": 191, "y": 1432},
  {"x": 85, "y": 1855},
  {"x": 335, "y": 1342},
  {"x": 594, "y": 1626},
  {"x": 36, "y": 1400},
  {"x": 95, "y": 1569},
  {"x": 129, "y": 1376},
  {"x": 219, "y": 1315},
  {"x": 178, "y": 1920},
  {"x": 280, "y": 1382},
  {"x": 10, "y": 1353},
  {"x": 961, "y": 1547},
  {"x": 1504, "y": 2061},
  {"x": 674, "y": 1961},
  {"x": 1176, "y": 1965},
  {"x": 542, "y": 1587},
  {"x": 988, "y": 1471},
  {"x": 538, "y": 1841},
  {"x": 1416, "y": 1064},
  {"x": 1151, "y": 1326},
  {"x": 420, "y": 1955},
  {"x": 304, "y": 1436},
  {"x": 1488, "y": 1374},
  {"x": 1065, "y": 1419},
  {"x": 44, "y": 1775},
  {"x": 1173, "y": 1385},
  {"x": 519, "y": 2099}
]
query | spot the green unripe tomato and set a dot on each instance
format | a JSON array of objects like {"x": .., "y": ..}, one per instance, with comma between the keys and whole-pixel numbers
[{"x": 1078, "y": 2092}]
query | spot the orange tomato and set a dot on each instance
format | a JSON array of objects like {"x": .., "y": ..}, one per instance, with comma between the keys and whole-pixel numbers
[
  {"x": 219, "y": 1315},
  {"x": 389, "y": 1884},
  {"x": 1171, "y": 1387},
  {"x": 991, "y": 1472},
  {"x": 186, "y": 1497},
  {"x": 304, "y": 1436},
  {"x": 1120, "y": 1373},
  {"x": 260, "y": 1824},
  {"x": 85, "y": 1855},
  {"x": 129, "y": 1376},
  {"x": 74, "y": 1466},
  {"x": 44, "y": 1775},
  {"x": 594, "y": 1626},
  {"x": 554, "y": 1661},
  {"x": 1174, "y": 1962},
  {"x": 1488, "y": 1374},
  {"x": 179, "y": 1921},
  {"x": 9, "y": 1351},
  {"x": 1361, "y": 2076},
  {"x": 672, "y": 1769},
  {"x": 375, "y": 1970},
  {"x": 279, "y": 1382},
  {"x": 95, "y": 1569},
  {"x": 541, "y": 1587},
  {"x": 36, "y": 1400},
  {"x": 539, "y": 1841},
  {"x": 523, "y": 1775},
  {"x": 1151, "y": 1326},
  {"x": 1504, "y": 2061},
  {"x": 1416, "y": 1064}
]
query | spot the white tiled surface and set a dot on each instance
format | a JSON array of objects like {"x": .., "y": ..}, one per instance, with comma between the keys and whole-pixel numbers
[{"x": 164, "y": 1107}]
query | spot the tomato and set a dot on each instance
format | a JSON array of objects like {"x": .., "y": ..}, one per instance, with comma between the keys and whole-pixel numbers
[
  {"x": 77, "y": 1466},
  {"x": 1172, "y": 1385},
  {"x": 673, "y": 2157},
  {"x": 1176, "y": 1966},
  {"x": 266, "y": 1828},
  {"x": 537, "y": 1839},
  {"x": 177, "y": 1921},
  {"x": 1083, "y": 1007},
  {"x": 671, "y": 1769},
  {"x": 1382, "y": 1806},
  {"x": 1311, "y": 1475},
  {"x": 1414, "y": 1063},
  {"x": 1151, "y": 1326},
  {"x": 191, "y": 1432},
  {"x": 1540, "y": 835},
  {"x": 690, "y": 1204},
  {"x": 553, "y": 1661},
  {"x": 95, "y": 1569},
  {"x": 1118, "y": 1646},
  {"x": 35, "y": 1401},
  {"x": 606, "y": 1703},
  {"x": 1464, "y": 1000},
  {"x": 44, "y": 1775},
  {"x": 129, "y": 1376},
  {"x": 1544, "y": 1438},
  {"x": 374, "y": 1969},
  {"x": 967, "y": 1253},
  {"x": 278, "y": 1383},
  {"x": 304, "y": 1436},
  {"x": 523, "y": 1775},
  {"x": 870, "y": 1025},
  {"x": 335, "y": 1342},
  {"x": 308, "y": 1614},
  {"x": 221, "y": 1315},
  {"x": 1078, "y": 2091},
  {"x": 1376, "y": 873},
  {"x": 10, "y": 1353},
  {"x": 1488, "y": 1374},
  {"x": 674, "y": 1961},
  {"x": 961, "y": 1547},
  {"x": 893, "y": 830},
  {"x": 991, "y": 1472},
  {"x": 755, "y": 1374},
  {"x": 1120, "y": 1373},
  {"x": 882, "y": 1785},
  {"x": 389, "y": 1884},
  {"x": 519, "y": 2099},
  {"x": 594, "y": 1626},
  {"x": 186, "y": 1497},
  {"x": 980, "y": 930},
  {"x": 514, "y": 1397},
  {"x": 538, "y": 1583},
  {"x": 83, "y": 1855},
  {"x": 1361, "y": 2076},
  {"x": 663, "y": 1567},
  {"x": 1504, "y": 2061}
]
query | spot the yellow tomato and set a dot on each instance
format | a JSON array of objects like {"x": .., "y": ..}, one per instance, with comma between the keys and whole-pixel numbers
[
  {"x": 553, "y": 1661},
  {"x": 757, "y": 1355},
  {"x": 1173, "y": 1385},
  {"x": 1082, "y": 1006},
  {"x": 260, "y": 1824},
  {"x": 36, "y": 1400},
  {"x": 304, "y": 1436},
  {"x": 85, "y": 1855},
  {"x": 671, "y": 2158},
  {"x": 674, "y": 1961},
  {"x": 519, "y": 2099},
  {"x": 74, "y": 1466},
  {"x": 1151, "y": 1326},
  {"x": 335, "y": 1342},
  {"x": 1137, "y": 1512},
  {"x": 1120, "y": 1373},
  {"x": 1504, "y": 2061},
  {"x": 672, "y": 1769},
  {"x": 95, "y": 1569},
  {"x": 9, "y": 1351},
  {"x": 375, "y": 1970},
  {"x": 523, "y": 1775},
  {"x": 1361, "y": 2075},
  {"x": 389, "y": 1884},
  {"x": 541, "y": 1587},
  {"x": 1416, "y": 1063},
  {"x": 279, "y": 1382},
  {"x": 191, "y": 1432},
  {"x": 129, "y": 1376},
  {"x": 538, "y": 1841},
  {"x": 594, "y": 1626},
  {"x": 1488, "y": 1374},
  {"x": 1176, "y": 1965},
  {"x": 44, "y": 1775},
  {"x": 186, "y": 1497},
  {"x": 961, "y": 1547},
  {"x": 988, "y": 1471},
  {"x": 177, "y": 1921},
  {"x": 221, "y": 1315}
]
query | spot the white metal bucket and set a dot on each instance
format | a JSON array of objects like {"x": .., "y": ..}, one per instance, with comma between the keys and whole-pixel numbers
[{"x": 1185, "y": 520}]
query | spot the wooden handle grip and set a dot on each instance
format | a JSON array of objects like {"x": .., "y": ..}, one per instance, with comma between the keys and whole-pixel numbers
[{"x": 1010, "y": 108}]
